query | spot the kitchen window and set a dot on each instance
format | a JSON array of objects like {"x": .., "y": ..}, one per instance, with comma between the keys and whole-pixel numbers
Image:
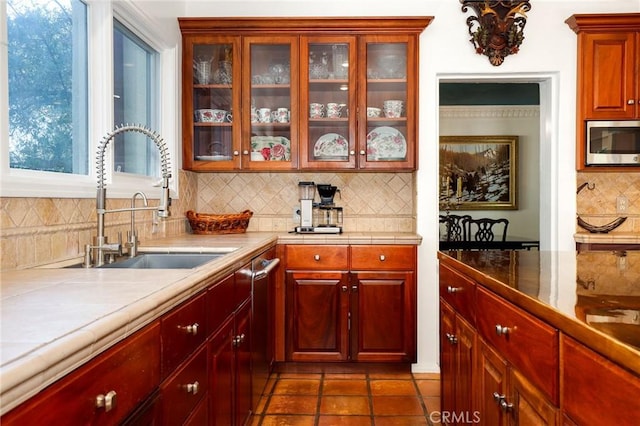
[
  {"x": 53, "y": 153},
  {"x": 134, "y": 80},
  {"x": 48, "y": 85}
]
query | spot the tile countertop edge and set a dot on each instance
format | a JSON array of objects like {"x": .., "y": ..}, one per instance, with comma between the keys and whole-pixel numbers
[
  {"x": 609, "y": 347},
  {"x": 26, "y": 375}
]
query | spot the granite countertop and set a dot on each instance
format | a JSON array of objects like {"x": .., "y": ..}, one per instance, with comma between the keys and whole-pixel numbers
[
  {"x": 593, "y": 296},
  {"x": 55, "y": 319}
]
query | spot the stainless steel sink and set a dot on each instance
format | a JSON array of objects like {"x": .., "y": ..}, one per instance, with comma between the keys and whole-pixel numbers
[{"x": 177, "y": 260}]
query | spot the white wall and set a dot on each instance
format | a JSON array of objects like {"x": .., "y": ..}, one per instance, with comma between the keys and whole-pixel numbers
[{"x": 548, "y": 55}]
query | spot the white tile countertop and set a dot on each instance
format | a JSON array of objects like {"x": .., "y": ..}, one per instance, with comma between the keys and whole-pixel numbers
[{"x": 55, "y": 319}]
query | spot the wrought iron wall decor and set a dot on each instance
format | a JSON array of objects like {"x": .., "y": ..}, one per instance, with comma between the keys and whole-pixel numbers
[{"x": 497, "y": 29}]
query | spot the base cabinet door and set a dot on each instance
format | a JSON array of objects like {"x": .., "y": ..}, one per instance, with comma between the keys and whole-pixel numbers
[
  {"x": 317, "y": 310},
  {"x": 457, "y": 343},
  {"x": 242, "y": 349},
  {"x": 530, "y": 407},
  {"x": 221, "y": 375},
  {"x": 378, "y": 337},
  {"x": 491, "y": 385},
  {"x": 595, "y": 390}
]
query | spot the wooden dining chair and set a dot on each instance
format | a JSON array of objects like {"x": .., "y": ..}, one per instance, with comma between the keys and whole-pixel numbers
[
  {"x": 482, "y": 229},
  {"x": 454, "y": 229}
]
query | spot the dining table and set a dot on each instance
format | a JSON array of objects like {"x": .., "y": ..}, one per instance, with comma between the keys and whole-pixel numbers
[{"x": 510, "y": 243}]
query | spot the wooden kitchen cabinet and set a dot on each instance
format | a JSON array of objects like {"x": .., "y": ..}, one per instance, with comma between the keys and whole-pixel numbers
[
  {"x": 102, "y": 392},
  {"x": 334, "y": 296},
  {"x": 505, "y": 371},
  {"x": 229, "y": 359},
  {"x": 608, "y": 82},
  {"x": 285, "y": 65},
  {"x": 594, "y": 390},
  {"x": 457, "y": 346}
]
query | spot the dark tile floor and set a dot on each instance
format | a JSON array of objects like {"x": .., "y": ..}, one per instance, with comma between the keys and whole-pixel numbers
[{"x": 323, "y": 399}]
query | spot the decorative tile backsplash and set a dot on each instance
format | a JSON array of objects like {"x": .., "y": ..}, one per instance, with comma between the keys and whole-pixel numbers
[
  {"x": 383, "y": 202},
  {"x": 36, "y": 231},
  {"x": 597, "y": 201}
]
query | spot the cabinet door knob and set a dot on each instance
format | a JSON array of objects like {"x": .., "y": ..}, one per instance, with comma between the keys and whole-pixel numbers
[
  {"x": 245, "y": 152},
  {"x": 354, "y": 288},
  {"x": 362, "y": 152},
  {"x": 316, "y": 257},
  {"x": 193, "y": 388},
  {"x": 191, "y": 329},
  {"x": 506, "y": 406},
  {"x": 107, "y": 401},
  {"x": 631, "y": 101},
  {"x": 382, "y": 258},
  {"x": 497, "y": 397},
  {"x": 502, "y": 330},
  {"x": 345, "y": 288},
  {"x": 238, "y": 340},
  {"x": 352, "y": 152},
  {"x": 451, "y": 338},
  {"x": 452, "y": 290},
  {"x": 236, "y": 153}
]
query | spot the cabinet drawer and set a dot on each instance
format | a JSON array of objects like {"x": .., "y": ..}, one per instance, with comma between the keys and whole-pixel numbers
[
  {"x": 460, "y": 292},
  {"x": 311, "y": 257},
  {"x": 181, "y": 392},
  {"x": 383, "y": 257},
  {"x": 125, "y": 374},
  {"x": 595, "y": 390},
  {"x": 526, "y": 342},
  {"x": 183, "y": 330}
]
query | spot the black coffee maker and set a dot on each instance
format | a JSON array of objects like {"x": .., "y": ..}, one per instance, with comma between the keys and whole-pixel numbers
[{"x": 329, "y": 215}]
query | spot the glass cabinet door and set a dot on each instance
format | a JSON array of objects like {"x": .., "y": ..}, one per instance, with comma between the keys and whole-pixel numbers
[
  {"x": 328, "y": 102},
  {"x": 270, "y": 106},
  {"x": 388, "y": 122},
  {"x": 215, "y": 129}
]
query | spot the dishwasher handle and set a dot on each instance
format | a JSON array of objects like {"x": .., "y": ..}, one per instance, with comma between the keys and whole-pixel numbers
[{"x": 268, "y": 266}]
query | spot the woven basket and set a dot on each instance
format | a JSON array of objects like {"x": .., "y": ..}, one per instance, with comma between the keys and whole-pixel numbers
[{"x": 208, "y": 224}]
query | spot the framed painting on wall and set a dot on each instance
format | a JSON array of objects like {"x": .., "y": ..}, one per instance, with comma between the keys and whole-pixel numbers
[{"x": 478, "y": 172}]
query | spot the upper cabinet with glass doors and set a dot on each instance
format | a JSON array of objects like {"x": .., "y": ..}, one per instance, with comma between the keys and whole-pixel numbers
[{"x": 304, "y": 94}]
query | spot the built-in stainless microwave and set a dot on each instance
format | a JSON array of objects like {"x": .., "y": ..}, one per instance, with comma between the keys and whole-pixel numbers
[{"x": 613, "y": 143}]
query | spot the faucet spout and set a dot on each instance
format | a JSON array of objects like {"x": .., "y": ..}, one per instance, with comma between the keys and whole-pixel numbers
[
  {"x": 95, "y": 254},
  {"x": 132, "y": 240}
]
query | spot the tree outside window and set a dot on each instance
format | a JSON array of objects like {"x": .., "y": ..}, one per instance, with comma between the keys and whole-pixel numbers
[{"x": 48, "y": 85}]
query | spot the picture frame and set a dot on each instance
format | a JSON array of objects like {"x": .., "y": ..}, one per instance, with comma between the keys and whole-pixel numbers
[{"x": 478, "y": 172}]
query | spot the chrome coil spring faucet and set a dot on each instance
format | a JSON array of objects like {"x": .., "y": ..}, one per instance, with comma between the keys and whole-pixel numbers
[{"x": 95, "y": 253}]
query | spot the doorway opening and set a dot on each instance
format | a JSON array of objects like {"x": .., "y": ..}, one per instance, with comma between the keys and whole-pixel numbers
[{"x": 537, "y": 197}]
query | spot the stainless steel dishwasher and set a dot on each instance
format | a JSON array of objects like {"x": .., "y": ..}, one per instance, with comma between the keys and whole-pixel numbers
[{"x": 262, "y": 282}]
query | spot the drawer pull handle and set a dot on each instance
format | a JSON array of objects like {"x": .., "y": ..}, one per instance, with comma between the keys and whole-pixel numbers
[
  {"x": 316, "y": 257},
  {"x": 502, "y": 330},
  {"x": 193, "y": 388},
  {"x": 451, "y": 338},
  {"x": 382, "y": 258},
  {"x": 191, "y": 329},
  {"x": 108, "y": 401},
  {"x": 452, "y": 290}
]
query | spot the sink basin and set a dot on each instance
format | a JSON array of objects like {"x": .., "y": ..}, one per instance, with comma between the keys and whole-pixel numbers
[
  {"x": 177, "y": 260},
  {"x": 165, "y": 261}
]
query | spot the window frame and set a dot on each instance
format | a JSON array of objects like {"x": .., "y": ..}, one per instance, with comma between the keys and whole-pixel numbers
[{"x": 100, "y": 18}]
